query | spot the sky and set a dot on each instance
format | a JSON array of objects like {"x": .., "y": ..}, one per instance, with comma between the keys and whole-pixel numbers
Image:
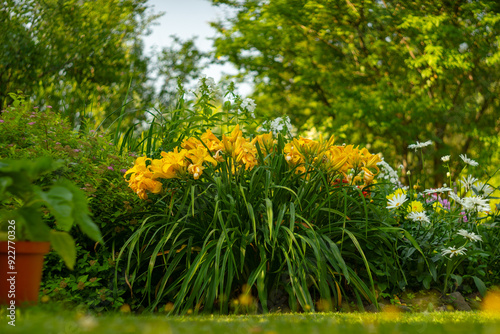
[{"x": 188, "y": 18}]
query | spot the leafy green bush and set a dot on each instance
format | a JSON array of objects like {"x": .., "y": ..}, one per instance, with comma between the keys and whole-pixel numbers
[
  {"x": 92, "y": 162},
  {"x": 89, "y": 285}
]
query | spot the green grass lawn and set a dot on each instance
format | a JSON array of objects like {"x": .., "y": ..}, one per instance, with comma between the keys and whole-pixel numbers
[{"x": 43, "y": 320}]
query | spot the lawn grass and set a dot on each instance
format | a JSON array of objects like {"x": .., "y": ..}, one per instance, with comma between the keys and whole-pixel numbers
[{"x": 46, "y": 320}]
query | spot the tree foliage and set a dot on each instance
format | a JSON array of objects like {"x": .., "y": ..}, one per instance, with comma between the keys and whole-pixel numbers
[
  {"x": 79, "y": 56},
  {"x": 179, "y": 63},
  {"x": 381, "y": 73}
]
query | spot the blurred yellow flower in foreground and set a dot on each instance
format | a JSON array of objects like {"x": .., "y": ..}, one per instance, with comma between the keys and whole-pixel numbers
[
  {"x": 391, "y": 313},
  {"x": 125, "y": 308},
  {"x": 169, "y": 306},
  {"x": 491, "y": 304},
  {"x": 245, "y": 299}
]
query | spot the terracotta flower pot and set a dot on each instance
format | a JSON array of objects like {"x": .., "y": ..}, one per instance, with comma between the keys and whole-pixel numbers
[{"x": 20, "y": 281}]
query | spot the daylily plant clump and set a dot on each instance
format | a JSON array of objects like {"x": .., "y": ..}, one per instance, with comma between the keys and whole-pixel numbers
[
  {"x": 249, "y": 216},
  {"x": 351, "y": 164},
  {"x": 243, "y": 215}
]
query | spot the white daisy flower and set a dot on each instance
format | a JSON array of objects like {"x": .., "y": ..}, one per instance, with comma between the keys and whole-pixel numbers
[
  {"x": 468, "y": 181},
  {"x": 437, "y": 190},
  {"x": 470, "y": 235},
  {"x": 455, "y": 197},
  {"x": 452, "y": 251},
  {"x": 420, "y": 145},
  {"x": 468, "y": 161},
  {"x": 396, "y": 201},
  {"x": 445, "y": 158},
  {"x": 483, "y": 189},
  {"x": 418, "y": 217},
  {"x": 476, "y": 203}
]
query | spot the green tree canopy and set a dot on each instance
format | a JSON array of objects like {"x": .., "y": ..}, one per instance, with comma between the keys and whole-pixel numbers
[
  {"x": 75, "y": 55},
  {"x": 380, "y": 73}
]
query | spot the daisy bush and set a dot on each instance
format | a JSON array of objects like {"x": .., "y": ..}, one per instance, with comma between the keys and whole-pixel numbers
[
  {"x": 256, "y": 220},
  {"x": 456, "y": 226}
]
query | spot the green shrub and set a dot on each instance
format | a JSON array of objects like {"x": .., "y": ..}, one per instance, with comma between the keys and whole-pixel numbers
[{"x": 92, "y": 162}]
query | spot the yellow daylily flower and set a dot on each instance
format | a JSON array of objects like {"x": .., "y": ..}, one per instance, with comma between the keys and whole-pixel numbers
[
  {"x": 211, "y": 141},
  {"x": 266, "y": 141},
  {"x": 142, "y": 178},
  {"x": 191, "y": 143}
]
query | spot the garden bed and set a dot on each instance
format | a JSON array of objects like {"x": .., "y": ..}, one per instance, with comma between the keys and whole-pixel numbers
[{"x": 220, "y": 218}]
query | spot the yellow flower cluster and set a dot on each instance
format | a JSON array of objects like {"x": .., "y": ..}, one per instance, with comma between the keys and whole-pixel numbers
[
  {"x": 142, "y": 179},
  {"x": 242, "y": 151},
  {"x": 330, "y": 158},
  {"x": 191, "y": 159},
  {"x": 194, "y": 155},
  {"x": 416, "y": 206}
]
